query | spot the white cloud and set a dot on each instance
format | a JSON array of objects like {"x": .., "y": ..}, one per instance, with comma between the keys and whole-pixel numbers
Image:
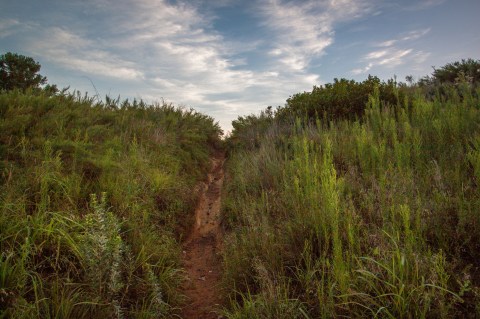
[
  {"x": 424, "y": 4},
  {"x": 303, "y": 30},
  {"x": 364, "y": 70},
  {"x": 389, "y": 58},
  {"x": 410, "y": 36},
  {"x": 392, "y": 55},
  {"x": 416, "y": 34},
  {"x": 8, "y": 27},
  {"x": 395, "y": 58},
  {"x": 185, "y": 60},
  {"x": 75, "y": 52},
  {"x": 161, "y": 49},
  {"x": 376, "y": 54},
  {"x": 387, "y": 43},
  {"x": 421, "y": 56}
]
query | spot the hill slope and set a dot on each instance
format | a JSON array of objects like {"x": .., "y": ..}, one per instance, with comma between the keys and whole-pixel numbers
[
  {"x": 370, "y": 217},
  {"x": 94, "y": 200}
]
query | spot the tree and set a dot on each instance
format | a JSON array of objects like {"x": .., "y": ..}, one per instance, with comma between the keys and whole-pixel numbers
[
  {"x": 450, "y": 72},
  {"x": 342, "y": 99},
  {"x": 19, "y": 72},
  {"x": 410, "y": 80}
]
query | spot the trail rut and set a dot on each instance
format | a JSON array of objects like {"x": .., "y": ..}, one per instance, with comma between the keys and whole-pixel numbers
[{"x": 200, "y": 251}]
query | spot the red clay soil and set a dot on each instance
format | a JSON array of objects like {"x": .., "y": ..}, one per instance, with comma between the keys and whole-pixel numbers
[{"x": 201, "y": 258}]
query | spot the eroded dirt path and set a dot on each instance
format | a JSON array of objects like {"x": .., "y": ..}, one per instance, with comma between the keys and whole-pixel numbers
[{"x": 200, "y": 256}]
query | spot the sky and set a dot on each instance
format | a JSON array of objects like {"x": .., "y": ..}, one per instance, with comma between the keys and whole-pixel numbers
[{"x": 229, "y": 58}]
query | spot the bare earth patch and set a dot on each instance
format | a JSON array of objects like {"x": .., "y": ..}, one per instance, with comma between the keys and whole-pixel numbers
[{"x": 200, "y": 256}]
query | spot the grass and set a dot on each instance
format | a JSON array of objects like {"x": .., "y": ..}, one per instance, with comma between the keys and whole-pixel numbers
[
  {"x": 95, "y": 198},
  {"x": 375, "y": 217}
]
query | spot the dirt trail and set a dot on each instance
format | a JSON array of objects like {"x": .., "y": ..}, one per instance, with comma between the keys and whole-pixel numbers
[{"x": 200, "y": 255}]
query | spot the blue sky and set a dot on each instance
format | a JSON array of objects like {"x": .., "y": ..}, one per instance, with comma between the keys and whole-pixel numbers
[{"x": 231, "y": 57}]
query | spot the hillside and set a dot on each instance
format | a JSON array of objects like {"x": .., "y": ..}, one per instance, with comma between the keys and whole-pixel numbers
[
  {"x": 95, "y": 199},
  {"x": 335, "y": 211}
]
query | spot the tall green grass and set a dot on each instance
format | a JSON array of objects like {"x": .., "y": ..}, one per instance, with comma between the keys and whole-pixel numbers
[
  {"x": 375, "y": 218},
  {"x": 94, "y": 198}
]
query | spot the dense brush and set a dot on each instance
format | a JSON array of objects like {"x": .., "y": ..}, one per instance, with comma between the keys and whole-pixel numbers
[{"x": 375, "y": 217}]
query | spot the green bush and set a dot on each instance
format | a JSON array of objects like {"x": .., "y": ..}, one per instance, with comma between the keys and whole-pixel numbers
[{"x": 342, "y": 99}]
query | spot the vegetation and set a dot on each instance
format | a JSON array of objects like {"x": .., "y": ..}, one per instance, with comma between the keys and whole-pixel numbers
[
  {"x": 19, "y": 72},
  {"x": 374, "y": 215},
  {"x": 467, "y": 70},
  {"x": 452, "y": 72},
  {"x": 339, "y": 100},
  {"x": 357, "y": 199},
  {"x": 94, "y": 198}
]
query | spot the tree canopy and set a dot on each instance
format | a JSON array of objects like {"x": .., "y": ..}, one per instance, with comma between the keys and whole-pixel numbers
[
  {"x": 469, "y": 68},
  {"x": 341, "y": 99},
  {"x": 19, "y": 72}
]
